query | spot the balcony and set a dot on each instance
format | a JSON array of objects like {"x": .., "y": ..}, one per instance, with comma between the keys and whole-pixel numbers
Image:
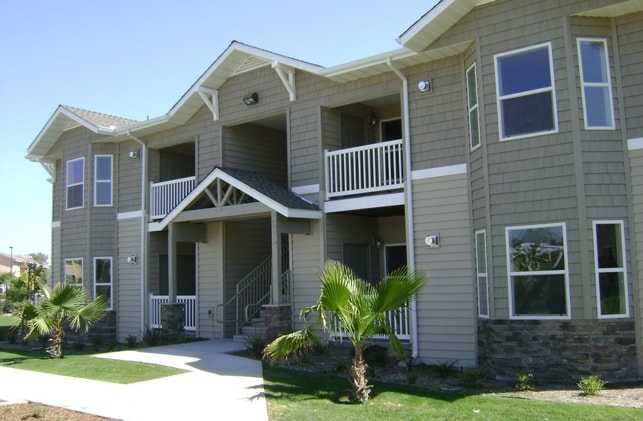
[
  {"x": 364, "y": 169},
  {"x": 166, "y": 195}
]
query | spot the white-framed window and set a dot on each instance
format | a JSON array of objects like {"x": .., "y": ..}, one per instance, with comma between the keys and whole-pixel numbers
[
  {"x": 103, "y": 173},
  {"x": 537, "y": 271},
  {"x": 103, "y": 278},
  {"x": 526, "y": 92},
  {"x": 75, "y": 183},
  {"x": 74, "y": 271},
  {"x": 611, "y": 274},
  {"x": 472, "y": 105},
  {"x": 481, "y": 273},
  {"x": 596, "y": 83}
]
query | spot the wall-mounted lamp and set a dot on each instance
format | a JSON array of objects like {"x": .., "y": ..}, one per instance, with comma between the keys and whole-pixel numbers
[
  {"x": 251, "y": 99},
  {"x": 133, "y": 154},
  {"x": 432, "y": 240},
  {"x": 132, "y": 260},
  {"x": 377, "y": 242},
  {"x": 425, "y": 86},
  {"x": 372, "y": 119}
]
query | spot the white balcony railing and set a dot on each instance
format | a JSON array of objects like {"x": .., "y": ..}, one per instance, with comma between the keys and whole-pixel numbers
[
  {"x": 399, "y": 321},
  {"x": 190, "y": 310},
  {"x": 164, "y": 196},
  {"x": 364, "y": 169}
]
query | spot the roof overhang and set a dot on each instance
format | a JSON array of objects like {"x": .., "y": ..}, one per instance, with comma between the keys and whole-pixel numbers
[
  {"x": 426, "y": 30},
  {"x": 614, "y": 10},
  {"x": 264, "y": 205}
]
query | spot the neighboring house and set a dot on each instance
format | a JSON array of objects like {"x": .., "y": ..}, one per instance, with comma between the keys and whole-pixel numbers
[
  {"x": 500, "y": 150},
  {"x": 13, "y": 263}
]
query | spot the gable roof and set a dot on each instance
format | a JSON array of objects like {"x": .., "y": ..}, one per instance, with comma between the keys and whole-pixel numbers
[
  {"x": 67, "y": 118},
  {"x": 255, "y": 186}
]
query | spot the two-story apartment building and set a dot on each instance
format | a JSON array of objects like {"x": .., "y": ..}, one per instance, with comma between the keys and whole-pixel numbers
[{"x": 498, "y": 149}]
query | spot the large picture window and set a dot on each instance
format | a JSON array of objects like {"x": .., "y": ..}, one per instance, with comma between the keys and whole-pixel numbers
[
  {"x": 525, "y": 92},
  {"x": 74, "y": 271},
  {"x": 103, "y": 278},
  {"x": 611, "y": 274},
  {"x": 537, "y": 271},
  {"x": 596, "y": 83},
  {"x": 75, "y": 183},
  {"x": 103, "y": 180},
  {"x": 481, "y": 273},
  {"x": 472, "y": 102}
]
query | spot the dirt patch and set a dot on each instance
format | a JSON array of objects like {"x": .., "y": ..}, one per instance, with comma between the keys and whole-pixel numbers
[
  {"x": 37, "y": 411},
  {"x": 336, "y": 360}
]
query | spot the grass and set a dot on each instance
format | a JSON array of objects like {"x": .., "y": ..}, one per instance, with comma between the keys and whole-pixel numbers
[
  {"x": 85, "y": 366},
  {"x": 293, "y": 395}
]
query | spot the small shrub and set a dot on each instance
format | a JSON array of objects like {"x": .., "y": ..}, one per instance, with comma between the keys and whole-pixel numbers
[
  {"x": 471, "y": 377},
  {"x": 591, "y": 385},
  {"x": 340, "y": 366},
  {"x": 525, "y": 381},
  {"x": 79, "y": 346},
  {"x": 411, "y": 376},
  {"x": 255, "y": 344},
  {"x": 445, "y": 369},
  {"x": 131, "y": 341},
  {"x": 96, "y": 341},
  {"x": 152, "y": 337}
]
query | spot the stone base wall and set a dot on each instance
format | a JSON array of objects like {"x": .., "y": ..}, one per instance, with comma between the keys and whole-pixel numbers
[
  {"x": 556, "y": 350},
  {"x": 103, "y": 332},
  {"x": 278, "y": 320},
  {"x": 172, "y": 322}
]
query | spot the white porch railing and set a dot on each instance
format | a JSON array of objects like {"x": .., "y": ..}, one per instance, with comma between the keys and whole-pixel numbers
[
  {"x": 190, "y": 310},
  {"x": 164, "y": 196},
  {"x": 399, "y": 320},
  {"x": 364, "y": 169}
]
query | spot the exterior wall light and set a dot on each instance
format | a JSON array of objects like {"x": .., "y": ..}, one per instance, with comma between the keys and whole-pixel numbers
[
  {"x": 425, "y": 86},
  {"x": 251, "y": 99}
]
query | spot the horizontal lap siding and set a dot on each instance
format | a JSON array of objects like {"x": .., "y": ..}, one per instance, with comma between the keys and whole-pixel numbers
[
  {"x": 128, "y": 283},
  {"x": 307, "y": 262},
  {"x": 630, "y": 37},
  {"x": 210, "y": 281},
  {"x": 446, "y": 306},
  {"x": 636, "y": 162}
]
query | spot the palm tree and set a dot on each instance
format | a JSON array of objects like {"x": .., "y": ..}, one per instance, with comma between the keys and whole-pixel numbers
[
  {"x": 361, "y": 310},
  {"x": 65, "y": 305}
]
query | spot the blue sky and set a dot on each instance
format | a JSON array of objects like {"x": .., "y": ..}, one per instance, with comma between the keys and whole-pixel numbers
[{"x": 136, "y": 58}]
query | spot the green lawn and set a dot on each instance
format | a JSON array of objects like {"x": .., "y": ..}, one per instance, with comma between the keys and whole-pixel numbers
[
  {"x": 85, "y": 366},
  {"x": 294, "y": 395}
]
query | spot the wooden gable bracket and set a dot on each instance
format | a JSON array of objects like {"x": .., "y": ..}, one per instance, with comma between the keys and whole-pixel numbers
[
  {"x": 287, "y": 76},
  {"x": 212, "y": 102},
  {"x": 226, "y": 195}
]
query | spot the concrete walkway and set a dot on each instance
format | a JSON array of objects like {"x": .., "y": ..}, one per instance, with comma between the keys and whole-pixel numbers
[{"x": 217, "y": 386}]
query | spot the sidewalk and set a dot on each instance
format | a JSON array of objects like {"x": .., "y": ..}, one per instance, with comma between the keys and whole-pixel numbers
[{"x": 217, "y": 386}]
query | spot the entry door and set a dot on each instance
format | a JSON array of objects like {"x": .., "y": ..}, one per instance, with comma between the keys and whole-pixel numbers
[
  {"x": 357, "y": 257},
  {"x": 395, "y": 257}
]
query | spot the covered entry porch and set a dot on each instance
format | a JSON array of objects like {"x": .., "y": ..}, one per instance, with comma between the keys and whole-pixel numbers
[{"x": 242, "y": 224}]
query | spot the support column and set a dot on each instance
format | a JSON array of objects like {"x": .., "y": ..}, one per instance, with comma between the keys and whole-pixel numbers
[
  {"x": 275, "y": 234},
  {"x": 278, "y": 320},
  {"x": 172, "y": 322}
]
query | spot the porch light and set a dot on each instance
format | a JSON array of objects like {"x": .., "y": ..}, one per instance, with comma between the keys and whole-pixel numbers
[
  {"x": 425, "y": 85},
  {"x": 251, "y": 99}
]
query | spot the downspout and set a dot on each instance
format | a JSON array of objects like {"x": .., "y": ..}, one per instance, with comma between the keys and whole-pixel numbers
[
  {"x": 408, "y": 199},
  {"x": 143, "y": 258}
]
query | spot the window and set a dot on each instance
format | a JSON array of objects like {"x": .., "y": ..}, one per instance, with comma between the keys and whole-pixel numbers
[
  {"x": 472, "y": 102},
  {"x": 103, "y": 278},
  {"x": 525, "y": 90},
  {"x": 75, "y": 183},
  {"x": 537, "y": 269},
  {"x": 596, "y": 83},
  {"x": 611, "y": 275},
  {"x": 481, "y": 273},
  {"x": 74, "y": 271},
  {"x": 103, "y": 180}
]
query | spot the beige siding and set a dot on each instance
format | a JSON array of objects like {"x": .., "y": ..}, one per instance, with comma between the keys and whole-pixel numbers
[
  {"x": 56, "y": 272},
  {"x": 630, "y": 37},
  {"x": 447, "y": 304},
  {"x": 128, "y": 286},
  {"x": 210, "y": 281},
  {"x": 308, "y": 259},
  {"x": 636, "y": 231}
]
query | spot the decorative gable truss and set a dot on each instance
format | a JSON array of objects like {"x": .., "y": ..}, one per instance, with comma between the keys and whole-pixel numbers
[{"x": 223, "y": 194}]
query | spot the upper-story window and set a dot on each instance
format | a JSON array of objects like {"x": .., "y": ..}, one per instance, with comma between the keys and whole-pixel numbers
[
  {"x": 103, "y": 180},
  {"x": 537, "y": 266},
  {"x": 598, "y": 108},
  {"x": 525, "y": 91},
  {"x": 611, "y": 274},
  {"x": 75, "y": 183},
  {"x": 472, "y": 102}
]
